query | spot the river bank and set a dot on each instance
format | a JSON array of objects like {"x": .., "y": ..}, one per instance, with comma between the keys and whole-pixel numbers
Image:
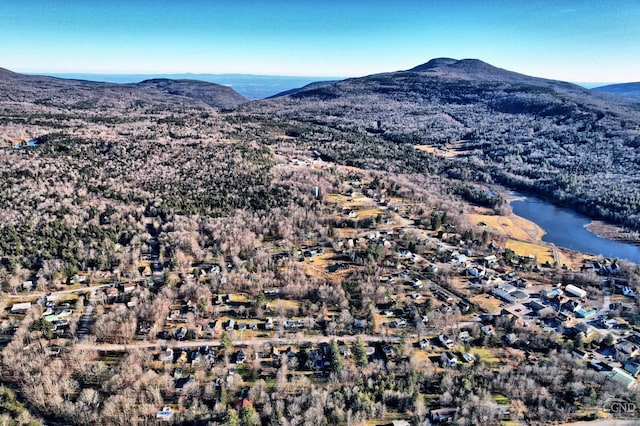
[{"x": 613, "y": 232}]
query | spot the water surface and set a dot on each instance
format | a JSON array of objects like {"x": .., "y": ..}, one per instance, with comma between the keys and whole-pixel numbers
[{"x": 566, "y": 228}]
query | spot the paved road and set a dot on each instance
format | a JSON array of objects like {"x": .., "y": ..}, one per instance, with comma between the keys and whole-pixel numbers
[
  {"x": 58, "y": 293},
  {"x": 85, "y": 320},
  {"x": 248, "y": 342}
]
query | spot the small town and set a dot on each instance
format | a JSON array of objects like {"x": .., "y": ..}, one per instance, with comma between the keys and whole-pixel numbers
[{"x": 436, "y": 299}]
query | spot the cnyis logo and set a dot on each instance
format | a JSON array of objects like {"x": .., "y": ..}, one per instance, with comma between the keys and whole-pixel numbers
[{"x": 621, "y": 407}]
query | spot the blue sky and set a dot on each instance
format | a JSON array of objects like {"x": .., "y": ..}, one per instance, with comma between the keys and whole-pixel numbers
[{"x": 567, "y": 40}]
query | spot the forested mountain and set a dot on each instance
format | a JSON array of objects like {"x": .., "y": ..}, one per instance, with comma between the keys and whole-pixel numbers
[
  {"x": 211, "y": 94},
  {"x": 88, "y": 95},
  {"x": 165, "y": 257},
  {"x": 631, "y": 90},
  {"x": 574, "y": 146}
]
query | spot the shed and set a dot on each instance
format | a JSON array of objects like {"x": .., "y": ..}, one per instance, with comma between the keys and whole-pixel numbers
[
  {"x": 575, "y": 291},
  {"x": 20, "y": 308}
]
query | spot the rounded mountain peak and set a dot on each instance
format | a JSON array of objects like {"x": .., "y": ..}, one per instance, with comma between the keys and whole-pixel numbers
[{"x": 434, "y": 63}]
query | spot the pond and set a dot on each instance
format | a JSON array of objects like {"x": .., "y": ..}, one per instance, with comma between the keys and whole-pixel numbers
[{"x": 566, "y": 228}]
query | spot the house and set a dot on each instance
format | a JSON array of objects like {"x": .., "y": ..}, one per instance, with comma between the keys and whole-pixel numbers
[
  {"x": 623, "y": 378},
  {"x": 627, "y": 349},
  {"x": 268, "y": 325},
  {"x": 166, "y": 355},
  {"x": 128, "y": 287},
  {"x": 359, "y": 323},
  {"x": 388, "y": 350},
  {"x": 468, "y": 357},
  {"x": 489, "y": 260},
  {"x": 464, "y": 337},
  {"x": 503, "y": 295},
  {"x": 488, "y": 330},
  {"x": 511, "y": 339},
  {"x": 474, "y": 272},
  {"x": 579, "y": 354},
  {"x": 112, "y": 294},
  {"x": 165, "y": 414},
  {"x": 633, "y": 368},
  {"x": 399, "y": 323},
  {"x": 231, "y": 324},
  {"x": 550, "y": 294},
  {"x": 628, "y": 292},
  {"x": 536, "y": 305},
  {"x": 582, "y": 327},
  {"x": 181, "y": 333},
  {"x": 27, "y": 285},
  {"x": 445, "y": 341},
  {"x": 445, "y": 296},
  {"x": 449, "y": 359},
  {"x": 443, "y": 415},
  {"x": 582, "y": 313},
  {"x": 424, "y": 344}
]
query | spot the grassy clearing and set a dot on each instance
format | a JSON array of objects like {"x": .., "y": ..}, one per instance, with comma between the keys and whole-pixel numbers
[
  {"x": 437, "y": 151},
  {"x": 500, "y": 399},
  {"x": 285, "y": 304},
  {"x": 485, "y": 355},
  {"x": 318, "y": 267},
  {"x": 369, "y": 212},
  {"x": 337, "y": 198},
  {"x": 511, "y": 226},
  {"x": 488, "y": 304},
  {"x": 345, "y": 232},
  {"x": 387, "y": 419},
  {"x": 541, "y": 252}
]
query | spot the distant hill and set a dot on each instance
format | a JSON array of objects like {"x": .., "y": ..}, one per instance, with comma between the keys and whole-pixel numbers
[
  {"x": 631, "y": 90},
  {"x": 211, "y": 94},
  {"x": 562, "y": 141},
  {"x": 70, "y": 93},
  {"x": 313, "y": 85},
  {"x": 248, "y": 85}
]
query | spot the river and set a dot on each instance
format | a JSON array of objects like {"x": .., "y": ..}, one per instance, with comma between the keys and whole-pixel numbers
[{"x": 566, "y": 228}]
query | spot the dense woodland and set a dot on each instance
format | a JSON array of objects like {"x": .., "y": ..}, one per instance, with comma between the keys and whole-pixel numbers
[
  {"x": 113, "y": 168},
  {"x": 575, "y": 147}
]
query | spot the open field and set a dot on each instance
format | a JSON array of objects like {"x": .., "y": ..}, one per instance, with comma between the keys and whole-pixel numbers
[
  {"x": 486, "y": 302},
  {"x": 542, "y": 252},
  {"x": 511, "y": 226},
  {"x": 452, "y": 150}
]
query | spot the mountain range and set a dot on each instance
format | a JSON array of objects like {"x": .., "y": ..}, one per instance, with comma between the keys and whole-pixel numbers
[
  {"x": 574, "y": 146},
  {"x": 622, "y": 89},
  {"x": 59, "y": 91},
  {"x": 571, "y": 145}
]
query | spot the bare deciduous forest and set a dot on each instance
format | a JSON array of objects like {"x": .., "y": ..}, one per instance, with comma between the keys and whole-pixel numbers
[{"x": 169, "y": 252}]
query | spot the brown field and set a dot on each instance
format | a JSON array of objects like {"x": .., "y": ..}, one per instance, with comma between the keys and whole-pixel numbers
[
  {"x": 488, "y": 304},
  {"x": 317, "y": 267},
  {"x": 368, "y": 212},
  {"x": 511, "y": 226},
  {"x": 542, "y": 252},
  {"x": 448, "y": 153}
]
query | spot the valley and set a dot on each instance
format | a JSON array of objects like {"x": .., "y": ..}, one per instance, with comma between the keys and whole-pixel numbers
[{"x": 170, "y": 252}]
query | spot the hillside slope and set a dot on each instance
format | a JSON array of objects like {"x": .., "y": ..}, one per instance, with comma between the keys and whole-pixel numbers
[
  {"x": 631, "y": 90},
  {"x": 212, "y": 94},
  {"x": 87, "y": 95},
  {"x": 559, "y": 140}
]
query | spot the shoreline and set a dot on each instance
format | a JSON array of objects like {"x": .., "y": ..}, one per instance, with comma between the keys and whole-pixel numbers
[{"x": 613, "y": 232}]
